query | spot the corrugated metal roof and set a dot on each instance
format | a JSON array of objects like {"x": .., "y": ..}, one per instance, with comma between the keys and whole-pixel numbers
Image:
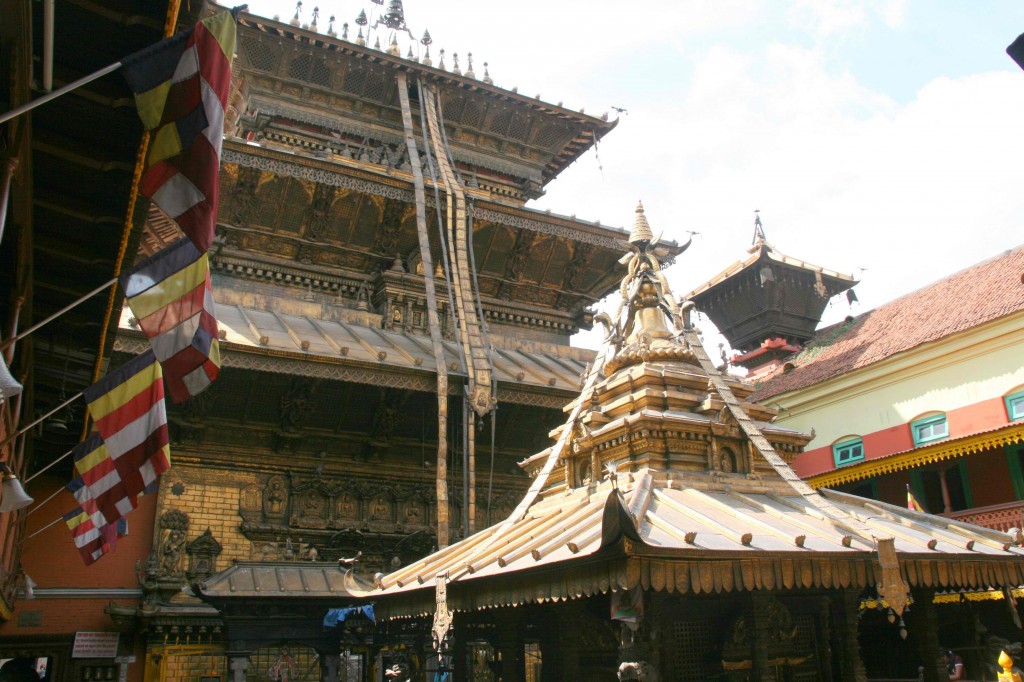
[
  {"x": 694, "y": 517},
  {"x": 294, "y": 579},
  {"x": 244, "y": 326}
]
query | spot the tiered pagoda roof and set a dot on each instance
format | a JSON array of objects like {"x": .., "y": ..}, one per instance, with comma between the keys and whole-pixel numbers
[
  {"x": 768, "y": 304},
  {"x": 692, "y": 494}
]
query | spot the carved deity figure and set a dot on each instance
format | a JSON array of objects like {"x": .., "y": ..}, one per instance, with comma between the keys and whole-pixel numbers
[
  {"x": 173, "y": 532},
  {"x": 284, "y": 668},
  {"x": 413, "y": 511},
  {"x": 171, "y": 553},
  {"x": 381, "y": 509},
  {"x": 347, "y": 506},
  {"x": 296, "y": 405},
  {"x": 275, "y": 497}
]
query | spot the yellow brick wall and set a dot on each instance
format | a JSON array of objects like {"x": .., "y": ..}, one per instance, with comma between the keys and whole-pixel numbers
[
  {"x": 185, "y": 663},
  {"x": 210, "y": 499}
]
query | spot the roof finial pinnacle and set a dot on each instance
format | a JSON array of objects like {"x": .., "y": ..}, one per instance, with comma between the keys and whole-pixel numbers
[
  {"x": 759, "y": 236},
  {"x": 641, "y": 231}
]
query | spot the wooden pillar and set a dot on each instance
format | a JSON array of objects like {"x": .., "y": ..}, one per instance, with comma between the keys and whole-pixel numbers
[
  {"x": 947, "y": 503},
  {"x": 560, "y": 643},
  {"x": 238, "y": 665},
  {"x": 923, "y": 624},
  {"x": 845, "y": 637},
  {"x": 510, "y": 647},
  {"x": 458, "y": 653},
  {"x": 760, "y": 635}
]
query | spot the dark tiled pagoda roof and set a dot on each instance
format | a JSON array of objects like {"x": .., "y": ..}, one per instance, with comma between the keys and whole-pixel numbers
[{"x": 974, "y": 296}]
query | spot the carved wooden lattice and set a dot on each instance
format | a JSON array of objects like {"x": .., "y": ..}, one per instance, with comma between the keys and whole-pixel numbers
[
  {"x": 259, "y": 55},
  {"x": 550, "y": 135},
  {"x": 690, "y": 650},
  {"x": 308, "y": 68}
]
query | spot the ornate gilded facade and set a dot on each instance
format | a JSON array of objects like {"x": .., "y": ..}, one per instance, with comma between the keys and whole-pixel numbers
[{"x": 319, "y": 440}]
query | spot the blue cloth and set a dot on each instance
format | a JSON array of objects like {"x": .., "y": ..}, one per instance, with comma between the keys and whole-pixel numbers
[{"x": 335, "y": 617}]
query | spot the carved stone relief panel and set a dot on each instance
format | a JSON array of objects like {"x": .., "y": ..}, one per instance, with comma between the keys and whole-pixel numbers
[
  {"x": 250, "y": 503},
  {"x": 275, "y": 499},
  {"x": 310, "y": 508}
]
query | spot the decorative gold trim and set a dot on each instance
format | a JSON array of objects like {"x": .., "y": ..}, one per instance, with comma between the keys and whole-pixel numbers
[{"x": 1011, "y": 434}]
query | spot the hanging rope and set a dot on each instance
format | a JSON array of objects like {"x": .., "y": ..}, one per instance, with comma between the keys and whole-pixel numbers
[{"x": 432, "y": 319}]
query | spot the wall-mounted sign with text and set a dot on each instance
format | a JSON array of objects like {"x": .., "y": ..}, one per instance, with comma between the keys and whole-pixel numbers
[{"x": 95, "y": 645}]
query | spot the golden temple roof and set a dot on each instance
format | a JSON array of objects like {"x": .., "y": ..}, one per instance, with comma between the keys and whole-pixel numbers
[
  {"x": 246, "y": 328},
  {"x": 692, "y": 521},
  {"x": 664, "y": 468}
]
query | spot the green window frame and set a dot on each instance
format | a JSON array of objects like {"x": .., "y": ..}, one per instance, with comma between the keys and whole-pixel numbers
[
  {"x": 1015, "y": 406},
  {"x": 848, "y": 452},
  {"x": 929, "y": 429}
]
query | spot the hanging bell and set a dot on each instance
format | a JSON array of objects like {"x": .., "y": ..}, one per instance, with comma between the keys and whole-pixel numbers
[
  {"x": 12, "y": 496},
  {"x": 8, "y": 386}
]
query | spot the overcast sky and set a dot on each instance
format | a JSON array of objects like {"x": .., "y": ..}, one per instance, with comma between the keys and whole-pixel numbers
[{"x": 880, "y": 138}]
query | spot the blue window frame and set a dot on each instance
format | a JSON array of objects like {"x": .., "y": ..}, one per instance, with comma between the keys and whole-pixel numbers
[
  {"x": 848, "y": 452},
  {"x": 1015, "y": 406},
  {"x": 929, "y": 429}
]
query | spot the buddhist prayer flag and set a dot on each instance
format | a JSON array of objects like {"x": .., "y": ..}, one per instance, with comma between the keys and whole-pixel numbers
[
  {"x": 171, "y": 296},
  {"x": 93, "y": 534},
  {"x": 98, "y": 485},
  {"x": 912, "y": 503},
  {"x": 128, "y": 408},
  {"x": 181, "y": 88}
]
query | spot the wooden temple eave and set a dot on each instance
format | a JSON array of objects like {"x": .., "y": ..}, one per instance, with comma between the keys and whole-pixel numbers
[
  {"x": 1010, "y": 434},
  {"x": 298, "y": 363},
  {"x": 698, "y": 535},
  {"x": 340, "y": 46},
  {"x": 698, "y": 572},
  {"x": 764, "y": 252},
  {"x": 398, "y": 185}
]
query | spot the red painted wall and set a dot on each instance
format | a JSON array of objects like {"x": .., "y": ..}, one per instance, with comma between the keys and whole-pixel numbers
[
  {"x": 52, "y": 560},
  {"x": 964, "y": 421}
]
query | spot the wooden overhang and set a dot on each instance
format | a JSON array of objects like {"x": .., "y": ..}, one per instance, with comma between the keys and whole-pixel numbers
[
  {"x": 587, "y": 130},
  {"x": 768, "y": 294},
  {"x": 73, "y": 195},
  {"x": 569, "y": 257},
  {"x": 694, "y": 537},
  {"x": 274, "y": 342}
]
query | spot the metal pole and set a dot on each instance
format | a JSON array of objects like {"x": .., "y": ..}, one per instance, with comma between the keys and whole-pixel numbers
[
  {"x": 26, "y": 429},
  {"x": 57, "y": 314},
  {"x": 51, "y": 464},
  {"x": 29, "y": 106},
  {"x": 5, "y": 192}
]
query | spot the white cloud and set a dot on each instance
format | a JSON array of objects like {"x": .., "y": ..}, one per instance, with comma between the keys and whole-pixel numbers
[
  {"x": 721, "y": 124},
  {"x": 825, "y": 18}
]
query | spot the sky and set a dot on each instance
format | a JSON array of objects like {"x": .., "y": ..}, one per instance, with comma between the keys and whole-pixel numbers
[{"x": 880, "y": 138}]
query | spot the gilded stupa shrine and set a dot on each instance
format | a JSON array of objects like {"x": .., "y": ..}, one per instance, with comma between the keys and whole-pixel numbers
[{"x": 665, "y": 534}]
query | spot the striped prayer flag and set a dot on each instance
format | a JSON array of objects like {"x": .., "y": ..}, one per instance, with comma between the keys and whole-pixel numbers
[
  {"x": 98, "y": 485},
  {"x": 912, "y": 503},
  {"x": 93, "y": 534},
  {"x": 128, "y": 409},
  {"x": 181, "y": 88},
  {"x": 171, "y": 297}
]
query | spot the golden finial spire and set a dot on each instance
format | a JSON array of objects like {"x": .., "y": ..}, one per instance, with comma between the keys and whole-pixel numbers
[
  {"x": 1008, "y": 675},
  {"x": 641, "y": 231}
]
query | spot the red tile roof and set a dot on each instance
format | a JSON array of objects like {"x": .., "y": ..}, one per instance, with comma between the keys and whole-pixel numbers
[{"x": 973, "y": 296}]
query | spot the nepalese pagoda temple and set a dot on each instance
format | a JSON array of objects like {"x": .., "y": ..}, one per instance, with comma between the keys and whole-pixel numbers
[
  {"x": 664, "y": 536},
  {"x": 769, "y": 304}
]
